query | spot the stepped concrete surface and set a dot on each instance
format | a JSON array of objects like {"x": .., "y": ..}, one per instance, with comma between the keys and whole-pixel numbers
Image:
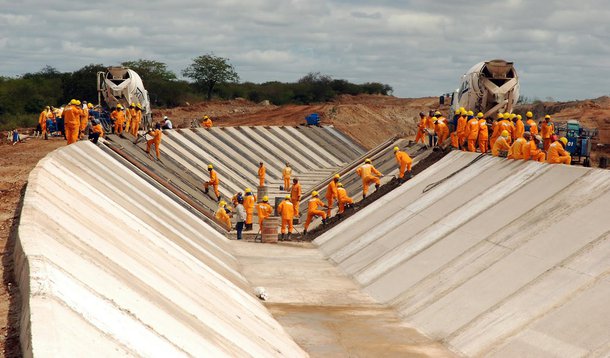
[
  {"x": 494, "y": 257},
  {"x": 108, "y": 265}
]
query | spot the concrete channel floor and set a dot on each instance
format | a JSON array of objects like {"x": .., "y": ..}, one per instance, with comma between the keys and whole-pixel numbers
[{"x": 324, "y": 311}]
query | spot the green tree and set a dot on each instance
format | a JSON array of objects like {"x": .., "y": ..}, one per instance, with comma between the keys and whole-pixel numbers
[
  {"x": 208, "y": 70},
  {"x": 150, "y": 69}
]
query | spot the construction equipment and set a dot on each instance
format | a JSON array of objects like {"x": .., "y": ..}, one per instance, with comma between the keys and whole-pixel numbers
[
  {"x": 579, "y": 140},
  {"x": 123, "y": 85},
  {"x": 488, "y": 87}
]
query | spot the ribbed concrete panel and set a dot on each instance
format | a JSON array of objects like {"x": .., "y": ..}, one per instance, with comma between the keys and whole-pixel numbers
[
  {"x": 495, "y": 257},
  {"x": 108, "y": 265}
]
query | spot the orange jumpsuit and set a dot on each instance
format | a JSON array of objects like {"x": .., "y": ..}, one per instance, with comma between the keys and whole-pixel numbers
[
  {"x": 286, "y": 173},
  {"x": 98, "y": 129},
  {"x": 531, "y": 151},
  {"x": 546, "y": 131},
  {"x": 472, "y": 132},
  {"x": 519, "y": 129},
  {"x": 369, "y": 175},
  {"x": 533, "y": 126},
  {"x": 135, "y": 122},
  {"x": 286, "y": 211},
  {"x": 442, "y": 131},
  {"x": 462, "y": 134},
  {"x": 264, "y": 210},
  {"x": 156, "y": 140},
  {"x": 72, "y": 122},
  {"x": 295, "y": 197},
  {"x": 42, "y": 120},
  {"x": 558, "y": 155},
  {"x": 331, "y": 195},
  {"x": 249, "y": 201},
  {"x": 261, "y": 175},
  {"x": 421, "y": 130},
  {"x": 207, "y": 123},
  {"x": 501, "y": 125},
  {"x": 84, "y": 120},
  {"x": 214, "y": 182},
  {"x": 516, "y": 149},
  {"x": 130, "y": 117},
  {"x": 312, "y": 210},
  {"x": 119, "y": 117},
  {"x": 501, "y": 144},
  {"x": 483, "y": 137},
  {"x": 223, "y": 217},
  {"x": 343, "y": 199},
  {"x": 404, "y": 161}
]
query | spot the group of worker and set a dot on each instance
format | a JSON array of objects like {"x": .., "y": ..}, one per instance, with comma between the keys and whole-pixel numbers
[
  {"x": 127, "y": 120},
  {"x": 77, "y": 117},
  {"x": 510, "y": 137}
]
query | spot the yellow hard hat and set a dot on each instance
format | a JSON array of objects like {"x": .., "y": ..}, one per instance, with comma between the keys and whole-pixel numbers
[
  {"x": 78, "y": 102},
  {"x": 337, "y": 176},
  {"x": 437, "y": 113},
  {"x": 248, "y": 190},
  {"x": 564, "y": 140},
  {"x": 505, "y": 133},
  {"x": 367, "y": 160},
  {"x": 340, "y": 185},
  {"x": 133, "y": 104},
  {"x": 500, "y": 115},
  {"x": 463, "y": 111},
  {"x": 396, "y": 149},
  {"x": 457, "y": 111},
  {"x": 470, "y": 113},
  {"x": 506, "y": 115},
  {"x": 139, "y": 105},
  {"x": 314, "y": 193},
  {"x": 119, "y": 106},
  {"x": 512, "y": 115},
  {"x": 480, "y": 115},
  {"x": 287, "y": 197},
  {"x": 519, "y": 117},
  {"x": 89, "y": 105},
  {"x": 222, "y": 203},
  {"x": 547, "y": 117},
  {"x": 73, "y": 101},
  {"x": 529, "y": 114},
  {"x": 265, "y": 198},
  {"x": 210, "y": 166}
]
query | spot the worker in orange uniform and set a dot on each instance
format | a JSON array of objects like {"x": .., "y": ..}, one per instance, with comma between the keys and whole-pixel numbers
[
  {"x": 222, "y": 215},
  {"x": 432, "y": 139},
  {"x": 119, "y": 119},
  {"x": 494, "y": 130},
  {"x": 460, "y": 130},
  {"x": 312, "y": 211},
  {"x": 130, "y": 115},
  {"x": 214, "y": 182},
  {"x": 442, "y": 131},
  {"x": 516, "y": 149},
  {"x": 136, "y": 120},
  {"x": 83, "y": 120},
  {"x": 295, "y": 195},
  {"x": 557, "y": 153},
  {"x": 156, "y": 135},
  {"x": 532, "y": 150},
  {"x": 404, "y": 162},
  {"x": 207, "y": 122},
  {"x": 472, "y": 131},
  {"x": 264, "y": 210},
  {"x": 519, "y": 127},
  {"x": 42, "y": 121},
  {"x": 483, "y": 137},
  {"x": 547, "y": 129},
  {"x": 249, "y": 202},
  {"x": 71, "y": 116},
  {"x": 344, "y": 200},
  {"x": 501, "y": 146},
  {"x": 261, "y": 174},
  {"x": 421, "y": 128},
  {"x": 369, "y": 175},
  {"x": 96, "y": 131},
  {"x": 531, "y": 123},
  {"x": 331, "y": 193},
  {"x": 286, "y": 210},
  {"x": 286, "y": 173}
]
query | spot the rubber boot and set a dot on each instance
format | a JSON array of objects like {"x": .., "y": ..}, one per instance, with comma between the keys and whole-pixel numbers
[
  {"x": 376, "y": 187},
  {"x": 288, "y": 237},
  {"x": 304, "y": 232},
  {"x": 205, "y": 190},
  {"x": 323, "y": 221},
  {"x": 281, "y": 237}
]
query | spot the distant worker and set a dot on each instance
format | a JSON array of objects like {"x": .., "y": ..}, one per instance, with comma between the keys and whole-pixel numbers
[
  {"x": 312, "y": 211},
  {"x": 295, "y": 195},
  {"x": 222, "y": 215},
  {"x": 531, "y": 123},
  {"x": 130, "y": 115},
  {"x": 119, "y": 118},
  {"x": 72, "y": 121},
  {"x": 156, "y": 135},
  {"x": 96, "y": 131},
  {"x": 531, "y": 151},
  {"x": 261, "y": 174},
  {"x": 547, "y": 129},
  {"x": 344, "y": 200},
  {"x": 442, "y": 131},
  {"x": 240, "y": 218},
  {"x": 461, "y": 130},
  {"x": 135, "y": 122},
  {"x": 207, "y": 122},
  {"x": 483, "y": 137},
  {"x": 519, "y": 127},
  {"x": 557, "y": 153},
  {"x": 264, "y": 210},
  {"x": 472, "y": 131},
  {"x": 516, "y": 149},
  {"x": 249, "y": 202},
  {"x": 495, "y": 130},
  {"x": 369, "y": 175},
  {"x": 167, "y": 123},
  {"x": 331, "y": 193},
  {"x": 286, "y": 210},
  {"x": 236, "y": 197},
  {"x": 42, "y": 121},
  {"x": 430, "y": 128},
  {"x": 214, "y": 182},
  {"x": 421, "y": 128},
  {"x": 404, "y": 162},
  {"x": 501, "y": 146},
  {"x": 84, "y": 119},
  {"x": 286, "y": 173}
]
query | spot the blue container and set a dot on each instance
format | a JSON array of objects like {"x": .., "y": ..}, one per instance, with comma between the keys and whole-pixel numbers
[{"x": 313, "y": 119}]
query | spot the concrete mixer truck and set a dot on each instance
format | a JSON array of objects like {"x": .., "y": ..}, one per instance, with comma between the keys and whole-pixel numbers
[{"x": 489, "y": 87}]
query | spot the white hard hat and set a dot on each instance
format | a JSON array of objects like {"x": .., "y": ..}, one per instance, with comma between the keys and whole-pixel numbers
[{"x": 164, "y": 117}]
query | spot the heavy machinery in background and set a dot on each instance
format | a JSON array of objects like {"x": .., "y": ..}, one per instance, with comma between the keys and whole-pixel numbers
[
  {"x": 122, "y": 85},
  {"x": 489, "y": 87},
  {"x": 579, "y": 140}
]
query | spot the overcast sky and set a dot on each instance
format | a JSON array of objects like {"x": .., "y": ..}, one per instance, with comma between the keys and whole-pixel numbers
[{"x": 561, "y": 48}]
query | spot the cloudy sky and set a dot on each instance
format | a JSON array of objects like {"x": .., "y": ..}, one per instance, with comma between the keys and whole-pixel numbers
[{"x": 561, "y": 48}]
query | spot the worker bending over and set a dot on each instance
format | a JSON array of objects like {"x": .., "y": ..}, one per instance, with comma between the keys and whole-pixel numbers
[
  {"x": 531, "y": 150},
  {"x": 312, "y": 210},
  {"x": 442, "y": 131},
  {"x": 286, "y": 173},
  {"x": 331, "y": 193},
  {"x": 249, "y": 202},
  {"x": 344, "y": 200},
  {"x": 214, "y": 182},
  {"x": 295, "y": 195},
  {"x": 404, "y": 163},
  {"x": 369, "y": 175},
  {"x": 156, "y": 135},
  {"x": 501, "y": 146},
  {"x": 96, "y": 131},
  {"x": 223, "y": 214},
  {"x": 286, "y": 211},
  {"x": 207, "y": 122},
  {"x": 261, "y": 174},
  {"x": 557, "y": 153},
  {"x": 264, "y": 210}
]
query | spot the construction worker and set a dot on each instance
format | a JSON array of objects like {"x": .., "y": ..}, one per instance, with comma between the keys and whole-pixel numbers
[
  {"x": 483, "y": 136},
  {"x": 516, "y": 149},
  {"x": 240, "y": 217},
  {"x": 96, "y": 131},
  {"x": 83, "y": 119},
  {"x": 460, "y": 129},
  {"x": 331, "y": 193},
  {"x": 295, "y": 195},
  {"x": 214, "y": 182},
  {"x": 531, "y": 123},
  {"x": 501, "y": 146},
  {"x": 261, "y": 174},
  {"x": 369, "y": 175},
  {"x": 222, "y": 214},
  {"x": 421, "y": 128},
  {"x": 557, "y": 153},
  {"x": 532, "y": 150},
  {"x": 312, "y": 211},
  {"x": 135, "y": 120},
  {"x": 472, "y": 131},
  {"x": 264, "y": 210},
  {"x": 519, "y": 127},
  {"x": 71, "y": 116},
  {"x": 286, "y": 173},
  {"x": 207, "y": 122},
  {"x": 430, "y": 127},
  {"x": 404, "y": 163},
  {"x": 249, "y": 202},
  {"x": 344, "y": 200},
  {"x": 156, "y": 134},
  {"x": 547, "y": 129},
  {"x": 235, "y": 198},
  {"x": 166, "y": 123},
  {"x": 130, "y": 116},
  {"x": 495, "y": 132},
  {"x": 119, "y": 118},
  {"x": 42, "y": 121},
  {"x": 286, "y": 210},
  {"x": 442, "y": 131}
]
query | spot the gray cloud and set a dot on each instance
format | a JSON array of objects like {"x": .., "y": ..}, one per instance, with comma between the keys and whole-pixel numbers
[{"x": 419, "y": 47}]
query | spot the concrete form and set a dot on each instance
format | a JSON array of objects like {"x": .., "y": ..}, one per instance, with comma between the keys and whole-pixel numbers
[
  {"x": 108, "y": 265},
  {"x": 494, "y": 257}
]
